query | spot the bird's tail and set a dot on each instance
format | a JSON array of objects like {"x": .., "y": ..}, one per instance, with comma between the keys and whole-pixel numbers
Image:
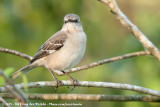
[{"x": 25, "y": 69}]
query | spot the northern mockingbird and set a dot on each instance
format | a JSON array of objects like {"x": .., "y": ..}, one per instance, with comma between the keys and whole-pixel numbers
[{"x": 61, "y": 51}]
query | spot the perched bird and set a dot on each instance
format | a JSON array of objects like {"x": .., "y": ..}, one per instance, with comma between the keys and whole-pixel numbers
[{"x": 61, "y": 51}]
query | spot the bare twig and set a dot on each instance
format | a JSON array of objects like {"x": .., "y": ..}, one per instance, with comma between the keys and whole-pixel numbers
[
  {"x": 131, "y": 27},
  {"x": 88, "y": 97},
  {"x": 13, "y": 93},
  {"x": 89, "y": 84},
  {"x": 13, "y": 89},
  {"x": 4, "y": 103},
  {"x": 14, "y": 52},
  {"x": 108, "y": 60}
]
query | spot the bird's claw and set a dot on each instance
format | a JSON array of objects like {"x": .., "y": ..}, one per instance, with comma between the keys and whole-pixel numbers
[
  {"x": 75, "y": 83},
  {"x": 58, "y": 83}
]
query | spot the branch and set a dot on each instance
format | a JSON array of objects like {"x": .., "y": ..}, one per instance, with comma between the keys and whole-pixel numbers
[
  {"x": 108, "y": 60},
  {"x": 131, "y": 27},
  {"x": 16, "y": 92},
  {"x": 89, "y": 84},
  {"x": 14, "y": 52},
  {"x": 87, "y": 97},
  {"x": 4, "y": 103}
]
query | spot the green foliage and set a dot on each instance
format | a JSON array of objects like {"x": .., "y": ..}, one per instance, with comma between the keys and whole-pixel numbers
[
  {"x": 25, "y": 81},
  {"x": 8, "y": 71}
]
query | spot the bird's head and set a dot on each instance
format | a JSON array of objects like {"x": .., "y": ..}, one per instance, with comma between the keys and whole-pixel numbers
[
  {"x": 71, "y": 18},
  {"x": 72, "y": 22}
]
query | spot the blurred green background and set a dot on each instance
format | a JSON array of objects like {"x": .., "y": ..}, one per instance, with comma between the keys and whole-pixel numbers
[{"x": 26, "y": 24}]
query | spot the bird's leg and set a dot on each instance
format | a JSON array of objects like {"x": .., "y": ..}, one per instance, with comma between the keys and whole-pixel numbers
[
  {"x": 58, "y": 82},
  {"x": 74, "y": 81}
]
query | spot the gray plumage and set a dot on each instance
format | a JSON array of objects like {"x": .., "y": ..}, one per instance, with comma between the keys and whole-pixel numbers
[{"x": 61, "y": 51}]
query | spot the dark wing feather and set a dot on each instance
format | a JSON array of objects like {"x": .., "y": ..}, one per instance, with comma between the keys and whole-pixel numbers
[{"x": 54, "y": 43}]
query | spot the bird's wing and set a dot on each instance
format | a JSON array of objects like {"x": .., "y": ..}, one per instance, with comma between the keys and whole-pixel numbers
[{"x": 54, "y": 43}]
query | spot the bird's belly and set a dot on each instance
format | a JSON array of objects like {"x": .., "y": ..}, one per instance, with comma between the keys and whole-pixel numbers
[{"x": 65, "y": 60}]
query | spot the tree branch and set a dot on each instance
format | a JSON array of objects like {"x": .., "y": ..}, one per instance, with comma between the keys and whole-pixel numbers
[
  {"x": 88, "y": 97},
  {"x": 108, "y": 60},
  {"x": 4, "y": 103},
  {"x": 16, "y": 92},
  {"x": 14, "y": 52},
  {"x": 131, "y": 27},
  {"x": 89, "y": 84}
]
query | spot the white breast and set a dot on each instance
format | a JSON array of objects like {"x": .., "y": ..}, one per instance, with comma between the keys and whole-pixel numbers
[{"x": 78, "y": 46}]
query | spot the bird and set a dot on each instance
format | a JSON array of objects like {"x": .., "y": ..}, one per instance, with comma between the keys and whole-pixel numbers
[{"x": 61, "y": 51}]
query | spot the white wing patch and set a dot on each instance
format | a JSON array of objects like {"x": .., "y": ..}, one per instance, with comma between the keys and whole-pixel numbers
[
  {"x": 58, "y": 44},
  {"x": 52, "y": 51}
]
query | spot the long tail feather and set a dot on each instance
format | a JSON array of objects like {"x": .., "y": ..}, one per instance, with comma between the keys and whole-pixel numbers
[{"x": 25, "y": 69}]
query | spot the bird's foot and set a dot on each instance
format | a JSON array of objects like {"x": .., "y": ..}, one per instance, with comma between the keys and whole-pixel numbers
[
  {"x": 74, "y": 82},
  {"x": 58, "y": 83}
]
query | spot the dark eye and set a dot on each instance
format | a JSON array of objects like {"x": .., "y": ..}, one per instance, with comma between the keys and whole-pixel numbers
[
  {"x": 76, "y": 21},
  {"x": 73, "y": 21}
]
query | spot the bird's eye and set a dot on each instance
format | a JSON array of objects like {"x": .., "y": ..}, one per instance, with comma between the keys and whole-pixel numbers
[
  {"x": 72, "y": 21},
  {"x": 76, "y": 21}
]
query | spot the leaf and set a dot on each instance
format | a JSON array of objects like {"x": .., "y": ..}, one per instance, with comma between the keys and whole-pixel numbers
[
  {"x": 8, "y": 71},
  {"x": 25, "y": 81}
]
